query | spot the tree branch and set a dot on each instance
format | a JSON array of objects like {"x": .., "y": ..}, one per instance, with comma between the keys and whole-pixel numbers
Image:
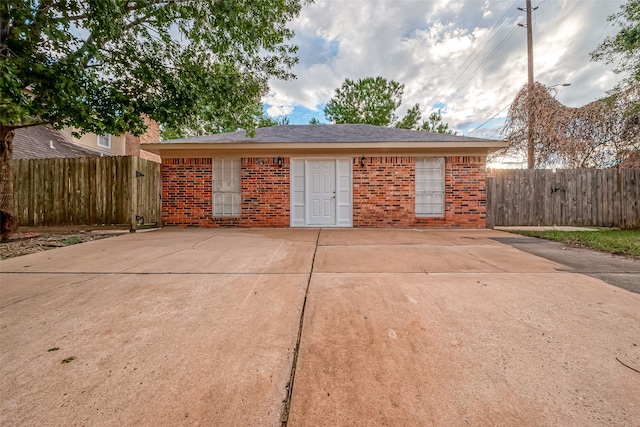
[{"x": 127, "y": 9}]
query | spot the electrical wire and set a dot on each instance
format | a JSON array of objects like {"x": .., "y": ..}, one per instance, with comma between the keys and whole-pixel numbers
[
  {"x": 489, "y": 119},
  {"x": 470, "y": 59},
  {"x": 493, "y": 52}
]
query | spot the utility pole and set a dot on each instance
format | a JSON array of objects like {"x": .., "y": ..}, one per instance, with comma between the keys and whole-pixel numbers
[{"x": 531, "y": 149}]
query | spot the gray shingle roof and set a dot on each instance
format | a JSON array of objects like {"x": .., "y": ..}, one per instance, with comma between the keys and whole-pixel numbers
[
  {"x": 36, "y": 143},
  {"x": 328, "y": 133}
]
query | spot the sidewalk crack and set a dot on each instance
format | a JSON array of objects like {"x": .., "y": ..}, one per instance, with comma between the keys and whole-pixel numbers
[{"x": 286, "y": 405}]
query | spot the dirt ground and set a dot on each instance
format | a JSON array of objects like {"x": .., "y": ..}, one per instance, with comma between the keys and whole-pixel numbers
[{"x": 28, "y": 241}]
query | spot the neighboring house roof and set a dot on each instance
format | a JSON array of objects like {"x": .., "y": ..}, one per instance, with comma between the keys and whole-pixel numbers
[
  {"x": 326, "y": 138},
  {"x": 43, "y": 142}
]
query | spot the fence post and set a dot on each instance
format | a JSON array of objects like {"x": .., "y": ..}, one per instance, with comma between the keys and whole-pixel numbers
[
  {"x": 158, "y": 196},
  {"x": 489, "y": 213},
  {"x": 134, "y": 193}
]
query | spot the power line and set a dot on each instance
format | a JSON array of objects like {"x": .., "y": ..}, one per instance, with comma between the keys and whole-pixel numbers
[
  {"x": 489, "y": 119},
  {"x": 470, "y": 59},
  {"x": 493, "y": 52}
]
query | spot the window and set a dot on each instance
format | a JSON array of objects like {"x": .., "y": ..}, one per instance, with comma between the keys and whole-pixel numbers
[
  {"x": 226, "y": 187},
  {"x": 430, "y": 187},
  {"x": 104, "y": 141}
]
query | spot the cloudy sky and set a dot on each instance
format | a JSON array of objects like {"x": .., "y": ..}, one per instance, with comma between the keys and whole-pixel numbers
[{"x": 467, "y": 58}]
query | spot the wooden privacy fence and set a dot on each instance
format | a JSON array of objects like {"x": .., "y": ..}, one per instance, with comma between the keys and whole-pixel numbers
[
  {"x": 576, "y": 197},
  {"x": 87, "y": 191}
]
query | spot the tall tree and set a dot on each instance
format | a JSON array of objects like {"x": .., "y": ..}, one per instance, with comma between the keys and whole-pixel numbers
[
  {"x": 98, "y": 65},
  {"x": 595, "y": 135},
  {"x": 372, "y": 100},
  {"x": 411, "y": 119},
  {"x": 434, "y": 123},
  {"x": 623, "y": 49}
]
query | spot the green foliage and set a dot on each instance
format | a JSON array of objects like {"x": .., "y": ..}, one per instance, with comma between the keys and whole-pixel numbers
[
  {"x": 623, "y": 49},
  {"x": 203, "y": 127},
  {"x": 314, "y": 121},
  {"x": 411, "y": 120},
  {"x": 73, "y": 240},
  {"x": 372, "y": 100},
  {"x": 168, "y": 133},
  {"x": 620, "y": 242},
  {"x": 265, "y": 121},
  {"x": 435, "y": 124},
  {"x": 97, "y": 65}
]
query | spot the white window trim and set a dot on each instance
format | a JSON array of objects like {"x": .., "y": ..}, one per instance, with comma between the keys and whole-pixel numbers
[
  {"x": 439, "y": 192},
  {"x": 236, "y": 211},
  {"x": 108, "y": 145}
]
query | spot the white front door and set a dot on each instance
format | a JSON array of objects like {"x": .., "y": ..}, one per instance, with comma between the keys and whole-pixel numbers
[
  {"x": 321, "y": 192},
  {"x": 321, "y": 202}
]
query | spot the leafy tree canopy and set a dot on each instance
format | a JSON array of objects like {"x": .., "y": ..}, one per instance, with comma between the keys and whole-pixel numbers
[
  {"x": 374, "y": 101},
  {"x": 202, "y": 126},
  {"x": 98, "y": 64},
  {"x": 411, "y": 119},
  {"x": 433, "y": 123},
  {"x": 623, "y": 49}
]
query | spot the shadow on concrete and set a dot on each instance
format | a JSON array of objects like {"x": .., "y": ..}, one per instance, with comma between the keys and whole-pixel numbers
[{"x": 615, "y": 270}]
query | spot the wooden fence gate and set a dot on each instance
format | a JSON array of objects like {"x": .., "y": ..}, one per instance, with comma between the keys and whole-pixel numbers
[
  {"x": 87, "y": 191},
  {"x": 574, "y": 197}
]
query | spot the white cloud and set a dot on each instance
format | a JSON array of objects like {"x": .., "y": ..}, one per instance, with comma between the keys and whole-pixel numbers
[{"x": 436, "y": 48}]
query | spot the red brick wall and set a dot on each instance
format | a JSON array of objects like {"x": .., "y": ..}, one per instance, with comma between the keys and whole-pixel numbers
[
  {"x": 265, "y": 192},
  {"x": 132, "y": 143},
  {"x": 384, "y": 193},
  {"x": 187, "y": 193},
  {"x": 466, "y": 191}
]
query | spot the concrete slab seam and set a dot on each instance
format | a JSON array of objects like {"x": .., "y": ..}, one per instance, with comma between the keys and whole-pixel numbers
[
  {"x": 286, "y": 407},
  {"x": 48, "y": 290},
  {"x": 192, "y": 247},
  {"x": 255, "y": 282}
]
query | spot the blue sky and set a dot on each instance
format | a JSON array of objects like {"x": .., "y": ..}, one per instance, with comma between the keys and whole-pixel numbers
[{"x": 465, "y": 58}]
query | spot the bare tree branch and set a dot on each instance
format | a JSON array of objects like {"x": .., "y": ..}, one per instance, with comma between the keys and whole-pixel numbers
[{"x": 599, "y": 134}]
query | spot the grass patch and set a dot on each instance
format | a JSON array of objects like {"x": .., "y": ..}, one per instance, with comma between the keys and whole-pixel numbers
[
  {"x": 73, "y": 240},
  {"x": 619, "y": 242}
]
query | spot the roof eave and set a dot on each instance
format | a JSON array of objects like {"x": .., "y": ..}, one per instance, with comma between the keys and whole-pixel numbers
[{"x": 187, "y": 149}]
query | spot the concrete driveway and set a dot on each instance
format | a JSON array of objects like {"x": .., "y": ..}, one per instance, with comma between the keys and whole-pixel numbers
[{"x": 373, "y": 327}]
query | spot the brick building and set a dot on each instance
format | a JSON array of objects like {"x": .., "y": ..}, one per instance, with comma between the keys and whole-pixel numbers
[{"x": 325, "y": 176}]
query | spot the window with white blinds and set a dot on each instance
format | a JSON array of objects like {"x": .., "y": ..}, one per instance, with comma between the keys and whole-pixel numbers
[
  {"x": 430, "y": 187},
  {"x": 226, "y": 187}
]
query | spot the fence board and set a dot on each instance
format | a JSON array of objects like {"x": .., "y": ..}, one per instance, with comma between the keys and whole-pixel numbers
[
  {"x": 579, "y": 197},
  {"x": 85, "y": 191}
]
